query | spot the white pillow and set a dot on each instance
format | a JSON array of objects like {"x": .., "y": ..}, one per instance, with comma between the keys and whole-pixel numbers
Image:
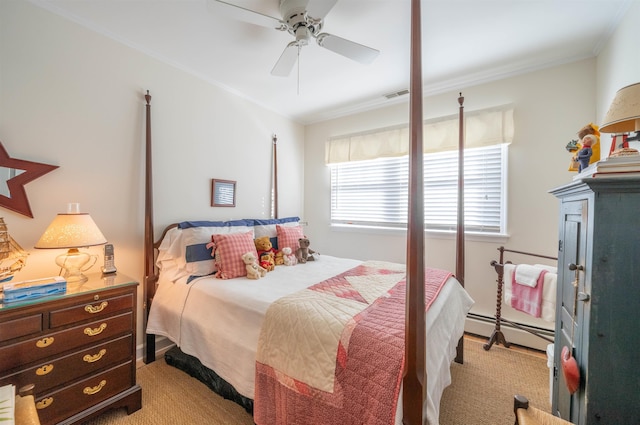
[
  {"x": 267, "y": 227},
  {"x": 186, "y": 245}
]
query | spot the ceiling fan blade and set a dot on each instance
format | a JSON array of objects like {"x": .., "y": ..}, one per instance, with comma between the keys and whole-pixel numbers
[
  {"x": 347, "y": 48},
  {"x": 246, "y": 15},
  {"x": 318, "y": 9},
  {"x": 287, "y": 59}
]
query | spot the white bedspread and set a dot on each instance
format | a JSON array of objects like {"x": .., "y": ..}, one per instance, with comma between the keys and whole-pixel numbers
[{"x": 218, "y": 321}]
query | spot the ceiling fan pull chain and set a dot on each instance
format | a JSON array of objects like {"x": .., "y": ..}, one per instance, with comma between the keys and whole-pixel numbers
[{"x": 299, "y": 47}]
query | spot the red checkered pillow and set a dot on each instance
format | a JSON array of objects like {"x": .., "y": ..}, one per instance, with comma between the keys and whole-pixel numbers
[
  {"x": 288, "y": 236},
  {"x": 228, "y": 254}
]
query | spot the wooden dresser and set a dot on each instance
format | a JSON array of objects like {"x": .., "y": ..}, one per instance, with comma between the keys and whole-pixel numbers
[
  {"x": 599, "y": 249},
  {"x": 78, "y": 349}
]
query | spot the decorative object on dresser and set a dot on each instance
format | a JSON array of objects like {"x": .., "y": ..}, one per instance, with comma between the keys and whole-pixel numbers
[
  {"x": 77, "y": 349},
  {"x": 598, "y": 251},
  {"x": 19, "y": 173},
  {"x": 73, "y": 230},
  {"x": 34, "y": 288},
  {"x": 623, "y": 116},
  {"x": 12, "y": 257}
]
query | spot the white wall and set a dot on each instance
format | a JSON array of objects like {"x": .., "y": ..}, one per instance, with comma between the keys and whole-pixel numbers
[
  {"x": 73, "y": 98},
  {"x": 619, "y": 62}
]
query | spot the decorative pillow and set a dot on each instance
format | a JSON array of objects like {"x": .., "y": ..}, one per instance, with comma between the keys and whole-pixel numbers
[
  {"x": 288, "y": 236},
  {"x": 194, "y": 256},
  {"x": 267, "y": 227},
  {"x": 228, "y": 253}
]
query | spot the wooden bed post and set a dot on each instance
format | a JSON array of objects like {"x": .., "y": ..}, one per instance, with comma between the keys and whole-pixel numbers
[
  {"x": 149, "y": 275},
  {"x": 274, "y": 139},
  {"x": 414, "y": 377},
  {"x": 460, "y": 223}
]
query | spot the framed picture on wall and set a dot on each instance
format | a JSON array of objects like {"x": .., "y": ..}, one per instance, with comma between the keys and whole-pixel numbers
[{"x": 223, "y": 193}]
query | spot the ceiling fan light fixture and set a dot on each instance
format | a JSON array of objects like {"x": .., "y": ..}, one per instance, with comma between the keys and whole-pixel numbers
[{"x": 302, "y": 35}]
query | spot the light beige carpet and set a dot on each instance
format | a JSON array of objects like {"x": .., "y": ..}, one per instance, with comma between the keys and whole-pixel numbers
[{"x": 481, "y": 393}]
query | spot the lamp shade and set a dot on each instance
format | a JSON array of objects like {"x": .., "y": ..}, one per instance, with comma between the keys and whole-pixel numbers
[
  {"x": 71, "y": 231},
  {"x": 624, "y": 114}
]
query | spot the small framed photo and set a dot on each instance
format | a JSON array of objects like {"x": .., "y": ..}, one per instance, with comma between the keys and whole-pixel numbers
[{"x": 223, "y": 193}]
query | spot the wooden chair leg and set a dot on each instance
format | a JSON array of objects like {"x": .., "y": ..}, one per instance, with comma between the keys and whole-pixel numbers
[{"x": 519, "y": 402}]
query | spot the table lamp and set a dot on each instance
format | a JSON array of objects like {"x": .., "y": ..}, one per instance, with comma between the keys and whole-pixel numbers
[
  {"x": 72, "y": 230},
  {"x": 623, "y": 115}
]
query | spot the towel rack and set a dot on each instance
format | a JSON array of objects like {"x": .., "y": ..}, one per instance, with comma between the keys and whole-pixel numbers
[{"x": 497, "y": 336}]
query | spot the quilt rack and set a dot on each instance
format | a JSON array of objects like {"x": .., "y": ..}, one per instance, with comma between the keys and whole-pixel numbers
[{"x": 497, "y": 336}]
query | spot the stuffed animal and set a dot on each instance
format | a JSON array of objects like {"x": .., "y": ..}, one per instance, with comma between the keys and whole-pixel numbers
[
  {"x": 304, "y": 253},
  {"x": 279, "y": 258},
  {"x": 254, "y": 270},
  {"x": 288, "y": 256},
  {"x": 266, "y": 253}
]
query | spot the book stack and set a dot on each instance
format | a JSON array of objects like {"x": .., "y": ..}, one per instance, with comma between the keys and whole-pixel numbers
[
  {"x": 31, "y": 289},
  {"x": 619, "y": 166}
]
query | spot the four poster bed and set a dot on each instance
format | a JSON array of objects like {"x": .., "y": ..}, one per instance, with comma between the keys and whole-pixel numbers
[{"x": 331, "y": 341}]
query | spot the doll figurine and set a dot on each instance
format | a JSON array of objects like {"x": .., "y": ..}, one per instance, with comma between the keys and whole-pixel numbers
[{"x": 584, "y": 154}]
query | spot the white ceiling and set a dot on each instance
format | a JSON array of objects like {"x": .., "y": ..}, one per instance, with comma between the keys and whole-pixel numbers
[{"x": 464, "y": 42}]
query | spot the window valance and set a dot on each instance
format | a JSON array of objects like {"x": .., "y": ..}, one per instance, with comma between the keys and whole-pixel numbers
[{"x": 482, "y": 128}]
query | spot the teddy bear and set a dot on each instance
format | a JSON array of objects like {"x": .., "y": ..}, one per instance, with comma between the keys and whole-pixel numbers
[
  {"x": 288, "y": 256},
  {"x": 304, "y": 253},
  {"x": 254, "y": 270},
  {"x": 279, "y": 258},
  {"x": 266, "y": 253}
]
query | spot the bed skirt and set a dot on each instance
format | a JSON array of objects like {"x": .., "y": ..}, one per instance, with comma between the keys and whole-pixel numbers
[{"x": 191, "y": 365}]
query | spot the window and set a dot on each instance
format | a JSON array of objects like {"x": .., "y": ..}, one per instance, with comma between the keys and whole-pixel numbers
[{"x": 375, "y": 192}]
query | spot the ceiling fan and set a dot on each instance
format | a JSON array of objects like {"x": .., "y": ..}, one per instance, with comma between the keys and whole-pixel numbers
[{"x": 304, "y": 20}]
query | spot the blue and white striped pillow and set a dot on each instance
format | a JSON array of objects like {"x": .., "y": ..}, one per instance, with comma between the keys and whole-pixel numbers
[{"x": 197, "y": 259}]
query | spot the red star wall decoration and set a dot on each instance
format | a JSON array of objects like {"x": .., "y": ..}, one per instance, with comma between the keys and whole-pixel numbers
[{"x": 17, "y": 200}]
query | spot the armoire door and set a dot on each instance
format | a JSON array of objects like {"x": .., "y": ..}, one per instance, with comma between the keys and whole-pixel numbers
[{"x": 571, "y": 261}]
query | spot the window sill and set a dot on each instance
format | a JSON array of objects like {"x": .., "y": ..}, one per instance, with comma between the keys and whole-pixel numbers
[{"x": 436, "y": 234}]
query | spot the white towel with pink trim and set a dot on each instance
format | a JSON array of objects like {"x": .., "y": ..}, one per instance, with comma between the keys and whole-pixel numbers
[
  {"x": 548, "y": 304},
  {"x": 528, "y": 274}
]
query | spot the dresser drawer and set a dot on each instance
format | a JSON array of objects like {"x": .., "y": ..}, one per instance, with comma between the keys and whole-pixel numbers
[
  {"x": 48, "y": 375},
  {"x": 59, "y": 405},
  {"x": 40, "y": 348},
  {"x": 20, "y": 326},
  {"x": 91, "y": 310}
]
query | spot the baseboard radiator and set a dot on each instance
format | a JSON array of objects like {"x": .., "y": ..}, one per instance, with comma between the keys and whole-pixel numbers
[{"x": 515, "y": 332}]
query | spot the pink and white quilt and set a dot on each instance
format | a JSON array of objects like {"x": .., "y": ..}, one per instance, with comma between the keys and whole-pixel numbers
[{"x": 334, "y": 352}]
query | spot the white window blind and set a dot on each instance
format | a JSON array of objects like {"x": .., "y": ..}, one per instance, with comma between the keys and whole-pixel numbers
[{"x": 375, "y": 192}]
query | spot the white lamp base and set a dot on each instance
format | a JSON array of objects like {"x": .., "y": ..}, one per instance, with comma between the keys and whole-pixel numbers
[{"x": 74, "y": 263}]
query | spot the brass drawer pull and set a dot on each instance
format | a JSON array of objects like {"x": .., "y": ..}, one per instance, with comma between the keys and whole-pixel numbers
[
  {"x": 97, "y": 309},
  {"x": 44, "y": 342},
  {"x": 91, "y": 359},
  {"x": 97, "y": 388},
  {"x": 95, "y": 331},
  {"x": 44, "y": 403},
  {"x": 43, "y": 370}
]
